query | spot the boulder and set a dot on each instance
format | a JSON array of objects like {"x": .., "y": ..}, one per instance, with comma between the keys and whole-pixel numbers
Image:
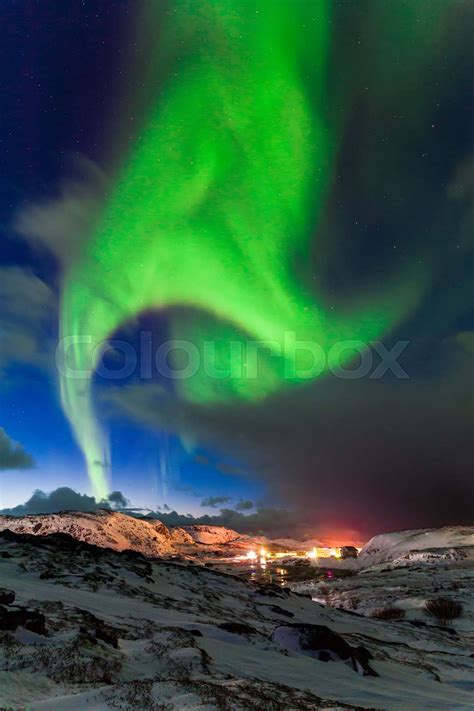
[
  {"x": 324, "y": 644},
  {"x": 94, "y": 629},
  {"x": 237, "y": 628},
  {"x": 7, "y": 597},
  {"x": 349, "y": 552},
  {"x": 31, "y": 620}
]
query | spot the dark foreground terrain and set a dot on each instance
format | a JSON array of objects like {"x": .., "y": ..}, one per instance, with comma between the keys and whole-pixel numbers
[{"x": 88, "y": 627}]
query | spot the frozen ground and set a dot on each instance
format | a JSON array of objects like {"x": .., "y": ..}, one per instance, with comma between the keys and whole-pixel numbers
[{"x": 101, "y": 629}]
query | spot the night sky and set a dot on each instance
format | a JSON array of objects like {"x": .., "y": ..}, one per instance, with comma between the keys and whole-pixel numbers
[{"x": 224, "y": 173}]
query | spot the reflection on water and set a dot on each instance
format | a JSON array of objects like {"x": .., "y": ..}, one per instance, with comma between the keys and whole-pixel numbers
[{"x": 271, "y": 572}]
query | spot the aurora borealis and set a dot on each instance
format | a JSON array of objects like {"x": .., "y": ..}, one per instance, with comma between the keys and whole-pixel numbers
[
  {"x": 266, "y": 168},
  {"x": 216, "y": 199}
]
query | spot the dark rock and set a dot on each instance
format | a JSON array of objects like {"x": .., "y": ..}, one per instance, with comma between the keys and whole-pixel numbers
[
  {"x": 237, "y": 628},
  {"x": 95, "y": 628},
  {"x": 364, "y": 652},
  {"x": 360, "y": 663},
  {"x": 56, "y": 541},
  {"x": 6, "y": 596},
  {"x": 280, "y": 611},
  {"x": 321, "y": 639},
  {"x": 448, "y": 630},
  {"x": 87, "y": 634},
  {"x": 270, "y": 591},
  {"x": 349, "y": 552},
  {"x": 21, "y": 617},
  {"x": 36, "y": 622}
]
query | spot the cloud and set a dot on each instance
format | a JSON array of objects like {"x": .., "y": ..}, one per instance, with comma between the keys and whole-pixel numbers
[
  {"x": 12, "y": 454},
  {"x": 368, "y": 454},
  {"x": 186, "y": 490},
  {"x": 62, "y": 225},
  {"x": 267, "y": 521},
  {"x": 244, "y": 505},
  {"x": 61, "y": 499},
  {"x": 271, "y": 522},
  {"x": 232, "y": 469},
  {"x": 27, "y": 319},
  {"x": 213, "y": 501},
  {"x": 118, "y": 500},
  {"x": 365, "y": 455}
]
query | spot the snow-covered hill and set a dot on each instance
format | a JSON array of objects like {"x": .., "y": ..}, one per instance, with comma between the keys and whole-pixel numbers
[
  {"x": 211, "y": 535},
  {"x": 121, "y": 531},
  {"x": 88, "y": 628},
  {"x": 398, "y": 574},
  {"x": 104, "y": 528},
  {"x": 426, "y": 545}
]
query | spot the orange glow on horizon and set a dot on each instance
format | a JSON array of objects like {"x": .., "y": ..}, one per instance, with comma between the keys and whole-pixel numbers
[{"x": 336, "y": 538}]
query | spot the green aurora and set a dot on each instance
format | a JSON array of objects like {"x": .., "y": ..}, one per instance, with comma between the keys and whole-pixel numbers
[{"x": 214, "y": 211}]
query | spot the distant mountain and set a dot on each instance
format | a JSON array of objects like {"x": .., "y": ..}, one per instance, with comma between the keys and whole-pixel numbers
[
  {"x": 104, "y": 528},
  {"x": 121, "y": 531}
]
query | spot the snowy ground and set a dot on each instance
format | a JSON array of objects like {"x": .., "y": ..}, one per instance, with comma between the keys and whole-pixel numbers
[{"x": 102, "y": 629}]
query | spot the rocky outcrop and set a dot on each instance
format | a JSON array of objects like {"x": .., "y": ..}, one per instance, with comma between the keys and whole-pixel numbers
[
  {"x": 349, "y": 552},
  {"x": 14, "y": 616},
  {"x": 211, "y": 535},
  {"x": 323, "y": 643},
  {"x": 181, "y": 537},
  {"x": 6, "y": 596},
  {"x": 95, "y": 629}
]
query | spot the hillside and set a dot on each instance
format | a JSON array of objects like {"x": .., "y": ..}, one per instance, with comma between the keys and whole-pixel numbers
[
  {"x": 104, "y": 528},
  {"x": 398, "y": 573},
  {"x": 211, "y": 535},
  {"x": 418, "y": 546},
  {"x": 84, "y": 627}
]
